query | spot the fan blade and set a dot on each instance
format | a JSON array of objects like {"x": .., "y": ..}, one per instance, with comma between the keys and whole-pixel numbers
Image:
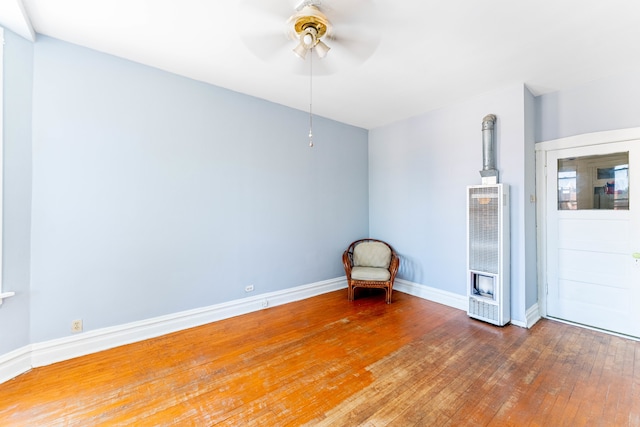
[
  {"x": 267, "y": 47},
  {"x": 263, "y": 26},
  {"x": 355, "y": 48},
  {"x": 268, "y": 9},
  {"x": 350, "y": 12},
  {"x": 355, "y": 35}
]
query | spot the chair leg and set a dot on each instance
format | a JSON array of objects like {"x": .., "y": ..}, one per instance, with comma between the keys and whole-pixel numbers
[{"x": 388, "y": 295}]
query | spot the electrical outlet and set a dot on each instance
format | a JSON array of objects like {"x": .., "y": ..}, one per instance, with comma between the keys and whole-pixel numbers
[
  {"x": 248, "y": 288},
  {"x": 76, "y": 325}
]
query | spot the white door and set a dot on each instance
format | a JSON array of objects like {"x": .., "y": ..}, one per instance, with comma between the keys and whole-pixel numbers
[{"x": 593, "y": 236}]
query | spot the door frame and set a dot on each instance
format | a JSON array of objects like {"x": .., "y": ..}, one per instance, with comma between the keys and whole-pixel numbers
[{"x": 542, "y": 148}]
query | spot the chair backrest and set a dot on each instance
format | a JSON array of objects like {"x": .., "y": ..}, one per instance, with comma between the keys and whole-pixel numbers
[{"x": 372, "y": 254}]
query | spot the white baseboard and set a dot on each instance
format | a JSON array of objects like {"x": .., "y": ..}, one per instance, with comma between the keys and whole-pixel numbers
[
  {"x": 533, "y": 315},
  {"x": 48, "y": 352},
  {"x": 432, "y": 294},
  {"x": 45, "y": 353},
  {"x": 457, "y": 301},
  {"x": 15, "y": 363}
]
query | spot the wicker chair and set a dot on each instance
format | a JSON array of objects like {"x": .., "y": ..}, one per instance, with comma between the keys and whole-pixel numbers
[{"x": 370, "y": 263}]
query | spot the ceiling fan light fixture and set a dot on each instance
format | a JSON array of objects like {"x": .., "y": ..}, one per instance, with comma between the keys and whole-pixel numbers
[
  {"x": 322, "y": 49},
  {"x": 310, "y": 17},
  {"x": 308, "y": 38},
  {"x": 309, "y": 26},
  {"x": 300, "y": 50}
]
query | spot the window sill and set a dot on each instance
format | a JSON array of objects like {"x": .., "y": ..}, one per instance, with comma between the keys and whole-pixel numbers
[{"x": 4, "y": 295}]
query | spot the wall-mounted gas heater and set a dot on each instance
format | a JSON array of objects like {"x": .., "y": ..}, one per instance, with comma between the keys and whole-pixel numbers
[{"x": 488, "y": 253}]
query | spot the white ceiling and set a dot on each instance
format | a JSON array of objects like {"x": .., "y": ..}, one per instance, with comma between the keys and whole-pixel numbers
[{"x": 422, "y": 55}]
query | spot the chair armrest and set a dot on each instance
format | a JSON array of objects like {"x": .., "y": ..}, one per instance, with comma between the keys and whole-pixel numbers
[
  {"x": 346, "y": 261},
  {"x": 394, "y": 265}
]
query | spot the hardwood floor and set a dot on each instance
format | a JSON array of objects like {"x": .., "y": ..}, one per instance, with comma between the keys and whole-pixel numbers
[{"x": 326, "y": 361}]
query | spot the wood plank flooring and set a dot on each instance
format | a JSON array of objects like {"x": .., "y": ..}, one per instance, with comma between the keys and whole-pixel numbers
[{"x": 328, "y": 362}]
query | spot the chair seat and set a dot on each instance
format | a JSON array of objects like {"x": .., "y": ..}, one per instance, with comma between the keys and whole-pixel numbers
[{"x": 370, "y": 274}]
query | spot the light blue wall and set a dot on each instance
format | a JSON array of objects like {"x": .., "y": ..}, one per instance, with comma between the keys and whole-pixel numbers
[
  {"x": 418, "y": 173},
  {"x": 529, "y": 205},
  {"x": 18, "y": 72},
  {"x": 601, "y": 105},
  {"x": 154, "y": 194}
]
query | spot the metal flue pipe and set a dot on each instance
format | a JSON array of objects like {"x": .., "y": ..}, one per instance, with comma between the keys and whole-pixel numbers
[{"x": 489, "y": 173}]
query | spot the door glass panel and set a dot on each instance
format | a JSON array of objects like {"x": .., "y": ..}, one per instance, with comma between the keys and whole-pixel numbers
[{"x": 594, "y": 182}]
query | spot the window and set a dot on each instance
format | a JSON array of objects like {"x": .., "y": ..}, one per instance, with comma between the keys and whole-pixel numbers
[{"x": 594, "y": 182}]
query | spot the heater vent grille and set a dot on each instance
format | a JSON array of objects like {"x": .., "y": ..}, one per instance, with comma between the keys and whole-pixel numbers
[
  {"x": 484, "y": 233},
  {"x": 480, "y": 309}
]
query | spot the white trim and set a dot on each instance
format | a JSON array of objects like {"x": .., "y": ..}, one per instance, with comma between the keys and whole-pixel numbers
[
  {"x": 16, "y": 19},
  {"x": 102, "y": 339},
  {"x": 48, "y": 352},
  {"x": 45, "y": 353},
  {"x": 26, "y": 30},
  {"x": 15, "y": 363},
  {"x": 591, "y": 328},
  {"x": 588, "y": 139},
  {"x": 531, "y": 317},
  {"x": 457, "y": 301},
  {"x": 432, "y": 294},
  {"x": 4, "y": 295},
  {"x": 541, "y": 235}
]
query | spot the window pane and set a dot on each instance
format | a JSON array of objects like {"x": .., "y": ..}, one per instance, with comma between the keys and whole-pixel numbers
[{"x": 594, "y": 182}]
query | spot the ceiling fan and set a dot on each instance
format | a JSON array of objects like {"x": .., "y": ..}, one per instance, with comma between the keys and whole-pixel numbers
[
  {"x": 270, "y": 35},
  {"x": 272, "y": 29},
  {"x": 309, "y": 25}
]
